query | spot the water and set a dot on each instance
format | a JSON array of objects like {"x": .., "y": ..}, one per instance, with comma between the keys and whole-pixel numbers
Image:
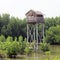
[{"x": 55, "y": 51}]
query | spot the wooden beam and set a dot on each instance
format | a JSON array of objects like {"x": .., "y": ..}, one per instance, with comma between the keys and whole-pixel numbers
[
  {"x": 43, "y": 31},
  {"x": 37, "y": 35},
  {"x": 34, "y": 38},
  {"x": 27, "y": 33}
]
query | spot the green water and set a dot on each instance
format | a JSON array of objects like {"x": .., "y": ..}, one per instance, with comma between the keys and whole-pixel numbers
[{"x": 55, "y": 52}]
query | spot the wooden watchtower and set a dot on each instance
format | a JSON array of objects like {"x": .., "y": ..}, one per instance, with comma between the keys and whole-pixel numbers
[{"x": 33, "y": 18}]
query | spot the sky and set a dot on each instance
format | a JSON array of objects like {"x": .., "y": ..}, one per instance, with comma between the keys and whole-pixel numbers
[{"x": 18, "y": 8}]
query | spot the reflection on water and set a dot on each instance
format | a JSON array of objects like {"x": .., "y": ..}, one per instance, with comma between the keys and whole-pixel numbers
[
  {"x": 55, "y": 51},
  {"x": 35, "y": 56}
]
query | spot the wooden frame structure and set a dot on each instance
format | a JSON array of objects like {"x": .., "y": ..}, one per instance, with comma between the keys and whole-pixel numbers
[{"x": 34, "y": 18}]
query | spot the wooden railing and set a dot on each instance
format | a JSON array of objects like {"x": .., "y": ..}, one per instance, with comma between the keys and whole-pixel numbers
[{"x": 35, "y": 19}]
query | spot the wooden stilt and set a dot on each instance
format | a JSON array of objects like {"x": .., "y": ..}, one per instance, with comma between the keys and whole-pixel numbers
[
  {"x": 43, "y": 31},
  {"x": 37, "y": 35},
  {"x": 34, "y": 18},
  {"x": 34, "y": 37},
  {"x": 34, "y": 33},
  {"x": 27, "y": 33}
]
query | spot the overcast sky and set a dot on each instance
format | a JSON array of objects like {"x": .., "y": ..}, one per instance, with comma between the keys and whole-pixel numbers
[{"x": 18, "y": 8}]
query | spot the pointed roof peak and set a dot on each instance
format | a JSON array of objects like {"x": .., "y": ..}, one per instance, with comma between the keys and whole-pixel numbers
[{"x": 36, "y": 12}]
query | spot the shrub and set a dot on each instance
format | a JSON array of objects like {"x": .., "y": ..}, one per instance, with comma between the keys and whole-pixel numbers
[
  {"x": 28, "y": 49},
  {"x": 2, "y": 50},
  {"x": 53, "y": 35},
  {"x": 20, "y": 39},
  {"x": 12, "y": 48},
  {"x": 25, "y": 47},
  {"x": 22, "y": 44},
  {"x": 2, "y": 46},
  {"x": 2, "y": 38},
  {"x": 9, "y": 38},
  {"x": 44, "y": 46}
]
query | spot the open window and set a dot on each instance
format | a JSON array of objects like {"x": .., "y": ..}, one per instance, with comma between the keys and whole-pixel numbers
[{"x": 39, "y": 15}]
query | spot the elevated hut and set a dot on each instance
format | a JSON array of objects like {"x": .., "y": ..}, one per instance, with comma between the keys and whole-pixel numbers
[{"x": 33, "y": 18}]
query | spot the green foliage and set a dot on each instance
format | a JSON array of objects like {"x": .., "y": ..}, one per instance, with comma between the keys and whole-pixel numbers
[
  {"x": 5, "y": 19},
  {"x": 49, "y": 22},
  {"x": 15, "y": 47},
  {"x": 12, "y": 26},
  {"x": 20, "y": 39},
  {"x": 53, "y": 35},
  {"x": 2, "y": 47},
  {"x": 2, "y": 38},
  {"x": 3, "y": 30},
  {"x": 22, "y": 44},
  {"x": 28, "y": 49},
  {"x": 12, "y": 48},
  {"x": 25, "y": 47},
  {"x": 44, "y": 46},
  {"x": 9, "y": 38}
]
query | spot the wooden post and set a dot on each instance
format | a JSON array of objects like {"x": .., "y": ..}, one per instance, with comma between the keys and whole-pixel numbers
[
  {"x": 34, "y": 37},
  {"x": 34, "y": 32},
  {"x": 37, "y": 35},
  {"x": 43, "y": 31},
  {"x": 27, "y": 33}
]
